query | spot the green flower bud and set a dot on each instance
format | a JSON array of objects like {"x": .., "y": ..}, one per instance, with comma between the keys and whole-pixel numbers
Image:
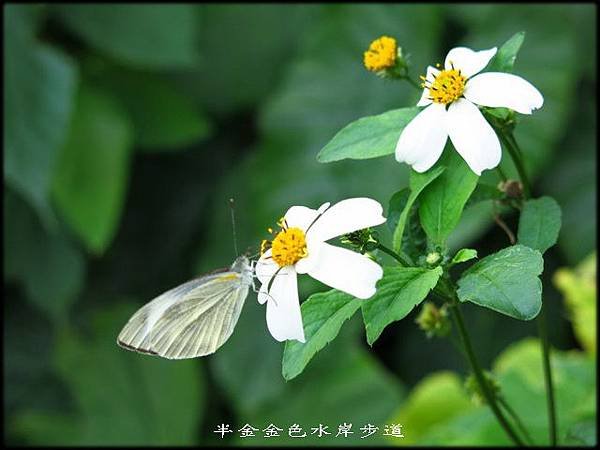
[{"x": 433, "y": 320}]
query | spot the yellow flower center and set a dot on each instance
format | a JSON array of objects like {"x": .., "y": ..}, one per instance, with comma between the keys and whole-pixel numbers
[
  {"x": 381, "y": 54},
  {"x": 447, "y": 86},
  {"x": 289, "y": 246}
]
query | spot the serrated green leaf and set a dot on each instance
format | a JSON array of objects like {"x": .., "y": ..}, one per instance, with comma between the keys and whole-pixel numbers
[
  {"x": 442, "y": 202},
  {"x": 539, "y": 223},
  {"x": 504, "y": 59},
  {"x": 398, "y": 292},
  {"x": 39, "y": 86},
  {"x": 323, "y": 314},
  {"x": 93, "y": 169},
  {"x": 464, "y": 254},
  {"x": 506, "y": 282},
  {"x": 369, "y": 137},
  {"x": 418, "y": 182},
  {"x": 138, "y": 35}
]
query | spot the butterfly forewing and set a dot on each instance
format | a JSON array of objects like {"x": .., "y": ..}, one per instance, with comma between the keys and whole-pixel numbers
[{"x": 191, "y": 320}]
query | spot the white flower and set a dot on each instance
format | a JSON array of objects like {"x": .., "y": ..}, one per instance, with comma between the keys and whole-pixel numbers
[
  {"x": 300, "y": 247},
  {"x": 451, "y": 96}
]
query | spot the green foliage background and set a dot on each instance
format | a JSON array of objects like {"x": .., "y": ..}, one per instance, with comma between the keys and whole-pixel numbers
[{"x": 128, "y": 127}]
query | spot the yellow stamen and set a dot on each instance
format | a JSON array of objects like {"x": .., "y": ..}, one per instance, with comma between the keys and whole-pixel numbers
[
  {"x": 447, "y": 86},
  {"x": 289, "y": 246},
  {"x": 381, "y": 54}
]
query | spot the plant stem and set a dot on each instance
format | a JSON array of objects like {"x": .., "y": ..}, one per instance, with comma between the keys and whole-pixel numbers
[
  {"x": 489, "y": 396},
  {"x": 413, "y": 83},
  {"x": 515, "y": 152},
  {"x": 513, "y": 149},
  {"x": 541, "y": 322},
  {"x": 402, "y": 258},
  {"x": 513, "y": 414}
]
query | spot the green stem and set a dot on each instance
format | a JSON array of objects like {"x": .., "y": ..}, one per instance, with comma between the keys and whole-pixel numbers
[
  {"x": 513, "y": 414},
  {"x": 402, "y": 258},
  {"x": 413, "y": 83},
  {"x": 513, "y": 149},
  {"x": 541, "y": 322},
  {"x": 503, "y": 176},
  {"x": 515, "y": 153},
  {"x": 489, "y": 396}
]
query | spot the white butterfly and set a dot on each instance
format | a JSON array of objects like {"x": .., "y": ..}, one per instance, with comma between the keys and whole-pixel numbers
[{"x": 193, "y": 319}]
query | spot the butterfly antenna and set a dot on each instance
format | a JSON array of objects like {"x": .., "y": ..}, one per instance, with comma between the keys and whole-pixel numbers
[{"x": 232, "y": 206}]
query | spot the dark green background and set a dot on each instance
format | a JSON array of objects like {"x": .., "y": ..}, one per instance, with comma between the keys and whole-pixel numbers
[{"x": 128, "y": 128}]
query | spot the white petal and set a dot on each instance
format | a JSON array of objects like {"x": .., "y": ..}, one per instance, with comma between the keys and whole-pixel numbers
[
  {"x": 468, "y": 61},
  {"x": 347, "y": 271},
  {"x": 284, "y": 319},
  {"x": 300, "y": 216},
  {"x": 432, "y": 72},
  {"x": 346, "y": 216},
  {"x": 265, "y": 269},
  {"x": 473, "y": 138},
  {"x": 496, "y": 89},
  {"x": 422, "y": 141}
]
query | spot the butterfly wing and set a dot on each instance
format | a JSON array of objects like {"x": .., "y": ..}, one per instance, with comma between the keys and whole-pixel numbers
[{"x": 191, "y": 320}]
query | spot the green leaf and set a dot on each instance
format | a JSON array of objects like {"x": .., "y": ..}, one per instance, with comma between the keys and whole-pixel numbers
[
  {"x": 323, "y": 314},
  {"x": 442, "y": 202},
  {"x": 145, "y": 400},
  {"x": 539, "y": 223},
  {"x": 464, "y": 254},
  {"x": 368, "y": 137},
  {"x": 519, "y": 371},
  {"x": 398, "y": 292},
  {"x": 162, "y": 117},
  {"x": 49, "y": 266},
  {"x": 506, "y": 282},
  {"x": 418, "y": 182},
  {"x": 145, "y": 36},
  {"x": 504, "y": 59},
  {"x": 439, "y": 397},
  {"x": 414, "y": 240},
  {"x": 39, "y": 86},
  {"x": 93, "y": 169}
]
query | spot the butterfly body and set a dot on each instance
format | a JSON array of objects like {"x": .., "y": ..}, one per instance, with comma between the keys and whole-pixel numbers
[{"x": 193, "y": 319}]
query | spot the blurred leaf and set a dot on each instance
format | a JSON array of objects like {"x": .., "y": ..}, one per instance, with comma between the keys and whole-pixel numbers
[
  {"x": 323, "y": 314},
  {"x": 506, "y": 282},
  {"x": 93, "y": 169},
  {"x": 39, "y": 84},
  {"x": 463, "y": 255},
  {"x": 50, "y": 268},
  {"x": 442, "y": 202},
  {"x": 144, "y": 401},
  {"x": 572, "y": 181},
  {"x": 162, "y": 117},
  {"x": 398, "y": 292},
  {"x": 504, "y": 59},
  {"x": 582, "y": 433},
  {"x": 539, "y": 223},
  {"x": 247, "y": 49},
  {"x": 578, "y": 286},
  {"x": 436, "y": 399},
  {"x": 482, "y": 193},
  {"x": 342, "y": 387},
  {"x": 418, "y": 182},
  {"x": 519, "y": 371},
  {"x": 144, "y": 36},
  {"x": 369, "y": 137}
]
